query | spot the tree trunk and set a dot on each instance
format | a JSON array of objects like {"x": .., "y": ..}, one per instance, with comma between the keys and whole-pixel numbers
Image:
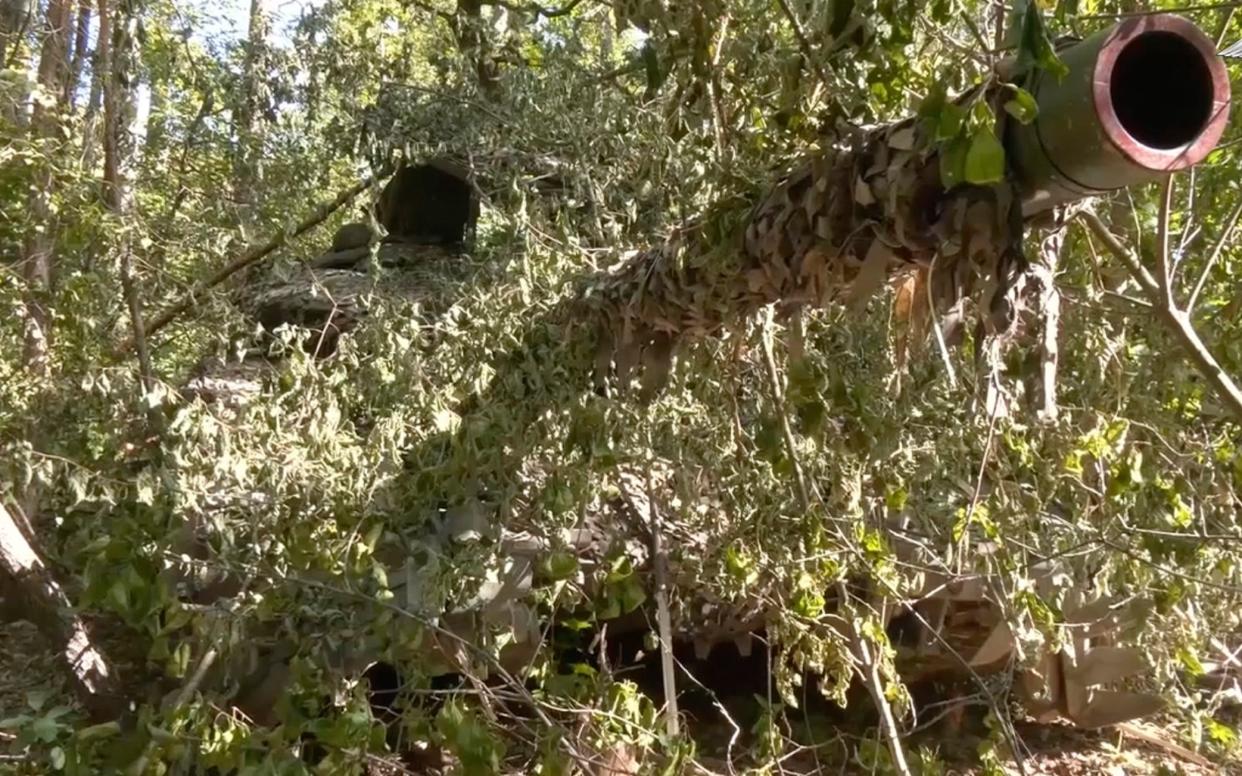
[
  {"x": 30, "y": 593},
  {"x": 81, "y": 40},
  {"x": 472, "y": 41},
  {"x": 101, "y": 65},
  {"x": 38, "y": 251},
  {"x": 118, "y": 143},
  {"x": 15, "y": 16},
  {"x": 29, "y": 590},
  {"x": 246, "y": 171}
]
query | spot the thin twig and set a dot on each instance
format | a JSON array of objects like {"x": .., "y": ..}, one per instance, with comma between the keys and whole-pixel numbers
[
  {"x": 1224, "y": 27},
  {"x": 1183, "y": 9},
  {"x": 805, "y": 43},
  {"x": 1051, "y": 307},
  {"x": 875, "y": 686},
  {"x": 1189, "y": 228},
  {"x": 713, "y": 88},
  {"x": 1131, "y": 300},
  {"x": 778, "y": 399},
  {"x": 130, "y": 289},
  {"x": 936, "y": 328},
  {"x": 1164, "y": 273},
  {"x": 183, "y": 697},
  {"x": 1176, "y": 320},
  {"x": 1217, "y": 249},
  {"x": 868, "y": 668},
  {"x": 664, "y": 621},
  {"x": 978, "y": 492}
]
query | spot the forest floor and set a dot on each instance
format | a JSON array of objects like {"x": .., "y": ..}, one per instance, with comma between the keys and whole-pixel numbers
[
  {"x": 1059, "y": 751},
  {"x": 1052, "y": 749}
]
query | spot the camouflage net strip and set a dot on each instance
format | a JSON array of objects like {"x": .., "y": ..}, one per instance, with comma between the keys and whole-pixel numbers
[{"x": 835, "y": 229}]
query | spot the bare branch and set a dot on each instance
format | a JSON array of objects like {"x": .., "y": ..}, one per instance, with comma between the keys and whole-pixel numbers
[
  {"x": 538, "y": 10},
  {"x": 805, "y": 43},
  {"x": 1176, "y": 320},
  {"x": 1183, "y": 9},
  {"x": 1164, "y": 272},
  {"x": 937, "y": 329},
  {"x": 664, "y": 621},
  {"x": 1217, "y": 249}
]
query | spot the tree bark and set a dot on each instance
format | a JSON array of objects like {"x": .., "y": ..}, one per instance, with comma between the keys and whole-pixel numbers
[
  {"x": 15, "y": 16},
  {"x": 81, "y": 40},
  {"x": 472, "y": 41},
  {"x": 28, "y": 587},
  {"x": 118, "y": 145},
  {"x": 118, "y": 109},
  {"x": 38, "y": 253},
  {"x": 101, "y": 65},
  {"x": 31, "y": 593}
]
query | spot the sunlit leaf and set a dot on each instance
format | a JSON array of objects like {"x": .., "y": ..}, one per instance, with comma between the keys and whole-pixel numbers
[{"x": 985, "y": 159}]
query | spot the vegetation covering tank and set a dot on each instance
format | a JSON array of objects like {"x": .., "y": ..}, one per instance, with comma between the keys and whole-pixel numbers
[{"x": 710, "y": 389}]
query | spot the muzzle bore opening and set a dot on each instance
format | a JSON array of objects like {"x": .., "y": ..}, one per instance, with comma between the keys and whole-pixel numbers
[{"x": 1161, "y": 90}]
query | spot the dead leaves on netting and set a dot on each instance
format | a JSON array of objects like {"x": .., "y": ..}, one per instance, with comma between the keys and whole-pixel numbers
[
  {"x": 912, "y": 316},
  {"x": 837, "y": 229}
]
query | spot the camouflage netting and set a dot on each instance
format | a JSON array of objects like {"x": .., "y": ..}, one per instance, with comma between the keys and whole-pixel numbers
[{"x": 462, "y": 490}]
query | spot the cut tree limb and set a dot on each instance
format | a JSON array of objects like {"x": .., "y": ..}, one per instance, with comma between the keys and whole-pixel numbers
[
  {"x": 254, "y": 255},
  {"x": 28, "y": 585}
]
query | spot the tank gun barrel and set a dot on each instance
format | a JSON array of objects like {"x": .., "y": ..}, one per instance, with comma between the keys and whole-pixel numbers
[{"x": 1144, "y": 98}]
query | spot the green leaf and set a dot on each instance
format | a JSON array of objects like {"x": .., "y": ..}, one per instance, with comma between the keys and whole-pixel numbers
[
  {"x": 560, "y": 565},
  {"x": 45, "y": 729},
  {"x": 985, "y": 161},
  {"x": 1022, "y": 105},
  {"x": 934, "y": 102},
  {"x": 57, "y": 758},
  {"x": 119, "y": 595},
  {"x": 809, "y": 604},
  {"x": 896, "y": 499},
  {"x": 102, "y": 730},
  {"x": 632, "y": 596},
  {"x": 953, "y": 162},
  {"x": 37, "y": 698},
  {"x": 740, "y": 565},
  {"x": 1221, "y": 734},
  {"x": 373, "y": 535},
  {"x": 1035, "y": 47},
  {"x": 1190, "y": 661},
  {"x": 180, "y": 660},
  {"x": 609, "y": 608},
  {"x": 949, "y": 122}
]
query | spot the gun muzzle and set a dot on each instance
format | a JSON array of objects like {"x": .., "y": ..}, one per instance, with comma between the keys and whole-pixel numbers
[{"x": 1144, "y": 98}]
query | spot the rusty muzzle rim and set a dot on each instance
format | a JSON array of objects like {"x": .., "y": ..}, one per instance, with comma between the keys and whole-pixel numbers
[{"x": 1161, "y": 92}]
